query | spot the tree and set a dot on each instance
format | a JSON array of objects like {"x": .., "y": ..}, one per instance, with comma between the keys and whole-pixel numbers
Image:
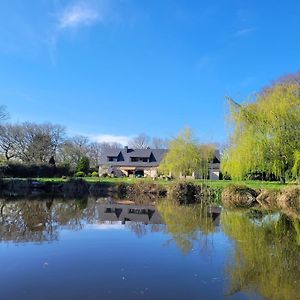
[
  {"x": 7, "y": 141},
  {"x": 159, "y": 143},
  {"x": 142, "y": 141},
  {"x": 266, "y": 132},
  {"x": 186, "y": 156},
  {"x": 83, "y": 165},
  {"x": 30, "y": 142},
  {"x": 296, "y": 166},
  {"x": 96, "y": 151},
  {"x": 73, "y": 149},
  {"x": 3, "y": 113}
]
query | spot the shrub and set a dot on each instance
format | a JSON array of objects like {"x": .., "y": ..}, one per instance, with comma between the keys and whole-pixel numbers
[
  {"x": 147, "y": 187},
  {"x": 95, "y": 174},
  {"x": 238, "y": 196},
  {"x": 79, "y": 174},
  {"x": 19, "y": 170},
  {"x": 289, "y": 200},
  {"x": 268, "y": 199}
]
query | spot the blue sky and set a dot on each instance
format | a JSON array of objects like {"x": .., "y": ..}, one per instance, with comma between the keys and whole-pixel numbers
[{"x": 112, "y": 69}]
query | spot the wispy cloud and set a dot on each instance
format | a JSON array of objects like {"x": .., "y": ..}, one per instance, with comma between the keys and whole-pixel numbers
[
  {"x": 244, "y": 31},
  {"x": 110, "y": 138},
  {"x": 81, "y": 13}
]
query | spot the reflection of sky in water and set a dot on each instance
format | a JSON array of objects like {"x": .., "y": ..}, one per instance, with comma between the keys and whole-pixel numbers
[{"x": 89, "y": 258}]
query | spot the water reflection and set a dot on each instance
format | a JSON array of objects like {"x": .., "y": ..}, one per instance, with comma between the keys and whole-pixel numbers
[
  {"x": 189, "y": 225},
  {"x": 38, "y": 221},
  {"x": 267, "y": 254},
  {"x": 252, "y": 253}
]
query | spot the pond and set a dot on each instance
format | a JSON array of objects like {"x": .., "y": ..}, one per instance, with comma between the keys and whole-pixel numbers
[{"x": 103, "y": 249}]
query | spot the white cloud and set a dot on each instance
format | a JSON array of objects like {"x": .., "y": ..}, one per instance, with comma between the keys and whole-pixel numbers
[
  {"x": 244, "y": 31},
  {"x": 110, "y": 138},
  {"x": 78, "y": 14}
]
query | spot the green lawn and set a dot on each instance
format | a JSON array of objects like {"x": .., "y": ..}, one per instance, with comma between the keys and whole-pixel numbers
[{"x": 213, "y": 183}]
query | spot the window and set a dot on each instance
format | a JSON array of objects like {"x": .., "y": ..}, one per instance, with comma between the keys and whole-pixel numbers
[
  {"x": 112, "y": 158},
  {"x": 140, "y": 159}
]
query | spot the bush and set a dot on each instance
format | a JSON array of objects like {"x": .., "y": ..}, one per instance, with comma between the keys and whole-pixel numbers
[
  {"x": 147, "y": 187},
  {"x": 18, "y": 170},
  {"x": 95, "y": 174},
  {"x": 235, "y": 196},
  {"x": 289, "y": 200},
  {"x": 268, "y": 199},
  {"x": 79, "y": 174}
]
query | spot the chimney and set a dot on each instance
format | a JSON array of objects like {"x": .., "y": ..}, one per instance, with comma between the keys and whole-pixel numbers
[{"x": 126, "y": 148}]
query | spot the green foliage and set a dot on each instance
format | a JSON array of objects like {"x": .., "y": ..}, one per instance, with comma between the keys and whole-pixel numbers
[
  {"x": 266, "y": 133},
  {"x": 83, "y": 165},
  {"x": 186, "y": 156},
  {"x": 266, "y": 254},
  {"x": 184, "y": 222},
  {"x": 296, "y": 166},
  {"x": 79, "y": 174},
  {"x": 95, "y": 174}
]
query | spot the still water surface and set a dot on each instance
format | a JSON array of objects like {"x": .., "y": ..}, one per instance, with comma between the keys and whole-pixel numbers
[{"x": 99, "y": 249}]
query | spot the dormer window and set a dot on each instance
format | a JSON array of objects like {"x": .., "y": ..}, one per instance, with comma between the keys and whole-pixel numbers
[
  {"x": 140, "y": 159},
  {"x": 112, "y": 158}
]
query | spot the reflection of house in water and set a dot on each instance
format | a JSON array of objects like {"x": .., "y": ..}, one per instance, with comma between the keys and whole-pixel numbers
[
  {"x": 130, "y": 213},
  {"x": 215, "y": 214},
  {"x": 39, "y": 221},
  {"x": 143, "y": 214}
]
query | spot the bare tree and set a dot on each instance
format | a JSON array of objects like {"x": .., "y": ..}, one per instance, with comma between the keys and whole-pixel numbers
[
  {"x": 30, "y": 142},
  {"x": 73, "y": 149},
  {"x": 97, "y": 150},
  {"x": 3, "y": 113},
  {"x": 159, "y": 143},
  {"x": 142, "y": 141},
  {"x": 8, "y": 141}
]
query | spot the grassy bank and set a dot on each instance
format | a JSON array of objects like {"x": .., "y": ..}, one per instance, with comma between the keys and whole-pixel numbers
[{"x": 266, "y": 185}]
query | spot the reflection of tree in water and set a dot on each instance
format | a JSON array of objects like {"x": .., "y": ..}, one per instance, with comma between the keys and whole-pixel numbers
[
  {"x": 189, "y": 225},
  {"x": 22, "y": 221},
  {"x": 267, "y": 254},
  {"x": 37, "y": 221},
  {"x": 141, "y": 229}
]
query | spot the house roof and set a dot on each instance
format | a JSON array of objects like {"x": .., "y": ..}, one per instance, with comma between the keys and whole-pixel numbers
[{"x": 124, "y": 157}]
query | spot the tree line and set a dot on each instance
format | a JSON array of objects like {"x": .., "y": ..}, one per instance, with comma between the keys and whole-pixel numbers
[{"x": 30, "y": 143}]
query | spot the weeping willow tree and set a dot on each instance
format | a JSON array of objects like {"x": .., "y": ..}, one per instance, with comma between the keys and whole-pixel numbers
[
  {"x": 186, "y": 156},
  {"x": 266, "y": 133},
  {"x": 296, "y": 166},
  {"x": 188, "y": 225},
  {"x": 266, "y": 255}
]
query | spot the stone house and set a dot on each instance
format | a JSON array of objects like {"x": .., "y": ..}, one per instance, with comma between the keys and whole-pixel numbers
[{"x": 143, "y": 163}]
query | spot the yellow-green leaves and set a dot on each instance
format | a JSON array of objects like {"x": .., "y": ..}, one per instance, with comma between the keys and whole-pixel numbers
[
  {"x": 266, "y": 132},
  {"x": 186, "y": 155}
]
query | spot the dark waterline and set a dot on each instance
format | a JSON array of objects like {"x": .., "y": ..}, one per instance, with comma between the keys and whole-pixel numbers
[{"x": 91, "y": 249}]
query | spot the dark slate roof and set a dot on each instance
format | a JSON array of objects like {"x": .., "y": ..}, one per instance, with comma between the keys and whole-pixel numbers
[
  {"x": 124, "y": 157},
  {"x": 114, "y": 152}
]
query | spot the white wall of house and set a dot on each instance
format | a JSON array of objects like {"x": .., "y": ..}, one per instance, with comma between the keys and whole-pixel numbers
[{"x": 151, "y": 172}]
